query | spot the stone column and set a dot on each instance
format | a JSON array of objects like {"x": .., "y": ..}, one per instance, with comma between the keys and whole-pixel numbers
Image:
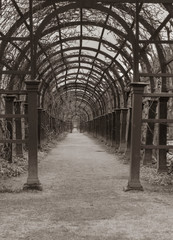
[
  {"x": 32, "y": 181},
  {"x": 110, "y": 129},
  {"x": 104, "y": 128},
  {"x": 117, "y": 128},
  {"x": 71, "y": 127},
  {"x": 162, "y": 162},
  {"x": 113, "y": 129},
  {"x": 134, "y": 178},
  {"x": 26, "y": 124},
  {"x": 9, "y": 103},
  {"x": 123, "y": 120},
  {"x": 39, "y": 126},
  {"x": 19, "y": 147},
  {"x": 128, "y": 133}
]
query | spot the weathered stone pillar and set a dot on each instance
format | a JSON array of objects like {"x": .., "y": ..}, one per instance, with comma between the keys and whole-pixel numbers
[
  {"x": 128, "y": 132},
  {"x": 71, "y": 127},
  {"x": 26, "y": 125},
  {"x": 123, "y": 123},
  {"x": 32, "y": 181},
  {"x": 161, "y": 167},
  {"x": 93, "y": 127},
  {"x": 19, "y": 147},
  {"x": 39, "y": 126},
  {"x": 113, "y": 129},
  {"x": 104, "y": 127},
  {"x": 9, "y": 103},
  {"x": 134, "y": 179},
  {"x": 107, "y": 129},
  {"x": 117, "y": 128},
  {"x": 110, "y": 129},
  {"x": 96, "y": 127}
]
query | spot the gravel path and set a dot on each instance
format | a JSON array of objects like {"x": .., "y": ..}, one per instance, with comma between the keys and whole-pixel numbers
[{"x": 83, "y": 200}]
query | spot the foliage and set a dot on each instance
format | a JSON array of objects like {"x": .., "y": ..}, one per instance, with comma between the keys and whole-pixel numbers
[
  {"x": 14, "y": 169},
  {"x": 150, "y": 175}
]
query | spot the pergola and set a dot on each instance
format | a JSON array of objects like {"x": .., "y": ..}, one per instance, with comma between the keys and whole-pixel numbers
[{"x": 94, "y": 61}]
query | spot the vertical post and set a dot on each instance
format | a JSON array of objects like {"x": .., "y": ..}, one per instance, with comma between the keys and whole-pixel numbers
[
  {"x": 137, "y": 91},
  {"x": 117, "y": 128},
  {"x": 123, "y": 120},
  {"x": 162, "y": 163},
  {"x": 71, "y": 127},
  {"x": 104, "y": 127},
  {"x": 95, "y": 120},
  {"x": 9, "y": 102},
  {"x": 107, "y": 128},
  {"x": 26, "y": 124},
  {"x": 110, "y": 129},
  {"x": 32, "y": 181},
  {"x": 134, "y": 179},
  {"x": 113, "y": 129},
  {"x": 19, "y": 147},
  {"x": 39, "y": 126},
  {"x": 128, "y": 133}
]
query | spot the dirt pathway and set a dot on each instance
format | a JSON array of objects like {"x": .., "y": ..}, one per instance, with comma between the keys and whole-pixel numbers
[{"x": 83, "y": 199}]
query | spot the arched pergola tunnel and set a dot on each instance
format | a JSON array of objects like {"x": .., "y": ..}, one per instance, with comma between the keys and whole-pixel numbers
[{"x": 90, "y": 61}]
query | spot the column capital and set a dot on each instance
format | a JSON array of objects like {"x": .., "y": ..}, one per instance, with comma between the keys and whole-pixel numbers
[
  {"x": 124, "y": 109},
  {"x": 9, "y": 98},
  {"x": 18, "y": 102},
  {"x": 32, "y": 85},
  {"x": 163, "y": 99},
  {"x": 117, "y": 109},
  {"x": 138, "y": 87}
]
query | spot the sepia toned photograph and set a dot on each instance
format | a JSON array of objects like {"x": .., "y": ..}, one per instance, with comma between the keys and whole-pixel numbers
[{"x": 86, "y": 120}]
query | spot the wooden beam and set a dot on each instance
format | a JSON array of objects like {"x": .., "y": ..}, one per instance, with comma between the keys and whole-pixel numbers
[
  {"x": 12, "y": 141},
  {"x": 157, "y": 120},
  {"x": 13, "y": 92},
  {"x": 157, "y": 147},
  {"x": 152, "y": 41},
  {"x": 13, "y": 116},
  {"x": 155, "y": 75},
  {"x": 114, "y": 1},
  {"x": 9, "y": 39},
  {"x": 15, "y": 72},
  {"x": 168, "y": 95},
  {"x": 134, "y": 1}
]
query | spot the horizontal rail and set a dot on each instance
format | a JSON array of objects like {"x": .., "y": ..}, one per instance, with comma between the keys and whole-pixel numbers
[
  {"x": 115, "y": 1},
  {"x": 155, "y": 75},
  {"x": 13, "y": 92},
  {"x": 157, "y": 41},
  {"x": 15, "y": 72},
  {"x": 157, "y": 147},
  {"x": 13, "y": 141},
  {"x": 168, "y": 95},
  {"x": 9, "y": 39},
  {"x": 13, "y": 116},
  {"x": 157, "y": 120}
]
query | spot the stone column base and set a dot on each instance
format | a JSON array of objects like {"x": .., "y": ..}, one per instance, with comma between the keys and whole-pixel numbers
[
  {"x": 33, "y": 186},
  {"x": 133, "y": 186}
]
